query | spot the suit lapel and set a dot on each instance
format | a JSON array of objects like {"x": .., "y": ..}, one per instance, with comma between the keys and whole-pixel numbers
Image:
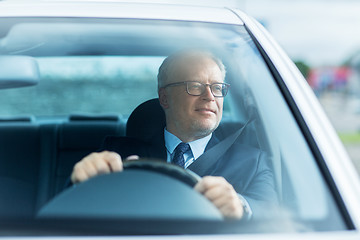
[{"x": 213, "y": 141}]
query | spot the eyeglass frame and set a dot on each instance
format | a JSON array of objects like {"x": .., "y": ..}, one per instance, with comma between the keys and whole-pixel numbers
[{"x": 204, "y": 84}]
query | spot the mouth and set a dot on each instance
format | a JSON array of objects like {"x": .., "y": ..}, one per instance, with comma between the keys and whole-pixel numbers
[{"x": 205, "y": 110}]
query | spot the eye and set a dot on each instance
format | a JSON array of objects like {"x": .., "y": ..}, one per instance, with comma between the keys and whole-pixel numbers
[
  {"x": 217, "y": 88},
  {"x": 195, "y": 86}
]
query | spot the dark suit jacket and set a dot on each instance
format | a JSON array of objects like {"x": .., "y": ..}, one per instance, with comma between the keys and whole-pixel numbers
[{"x": 247, "y": 168}]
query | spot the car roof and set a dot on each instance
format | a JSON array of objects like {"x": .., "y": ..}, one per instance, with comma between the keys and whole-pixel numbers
[{"x": 112, "y": 9}]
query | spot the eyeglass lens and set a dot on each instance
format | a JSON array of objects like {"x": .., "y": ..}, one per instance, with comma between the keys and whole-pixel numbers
[{"x": 197, "y": 89}]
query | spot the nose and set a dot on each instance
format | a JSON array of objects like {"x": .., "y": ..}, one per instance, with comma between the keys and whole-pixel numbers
[{"x": 208, "y": 95}]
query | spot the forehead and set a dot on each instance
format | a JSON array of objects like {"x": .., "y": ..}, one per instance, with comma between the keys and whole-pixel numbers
[{"x": 200, "y": 68}]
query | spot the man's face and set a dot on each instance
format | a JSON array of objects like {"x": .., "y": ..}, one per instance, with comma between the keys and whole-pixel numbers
[{"x": 192, "y": 117}]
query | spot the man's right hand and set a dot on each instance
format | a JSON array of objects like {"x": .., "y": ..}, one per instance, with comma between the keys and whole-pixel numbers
[{"x": 97, "y": 163}]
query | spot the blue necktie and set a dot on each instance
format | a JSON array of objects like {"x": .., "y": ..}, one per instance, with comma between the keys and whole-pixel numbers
[{"x": 179, "y": 151}]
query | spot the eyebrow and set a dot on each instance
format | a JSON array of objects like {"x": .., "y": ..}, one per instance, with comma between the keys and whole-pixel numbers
[{"x": 197, "y": 80}]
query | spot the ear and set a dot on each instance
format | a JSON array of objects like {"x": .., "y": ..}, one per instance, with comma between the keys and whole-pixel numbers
[{"x": 163, "y": 98}]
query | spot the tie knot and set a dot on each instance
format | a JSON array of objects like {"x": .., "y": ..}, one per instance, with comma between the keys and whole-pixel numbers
[{"x": 182, "y": 148}]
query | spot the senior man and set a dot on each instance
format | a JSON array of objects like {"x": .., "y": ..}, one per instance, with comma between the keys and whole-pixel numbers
[{"x": 191, "y": 91}]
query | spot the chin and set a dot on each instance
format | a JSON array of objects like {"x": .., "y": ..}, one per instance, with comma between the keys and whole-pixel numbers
[{"x": 204, "y": 129}]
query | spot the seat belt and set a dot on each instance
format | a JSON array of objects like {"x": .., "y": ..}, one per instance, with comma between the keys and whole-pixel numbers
[{"x": 210, "y": 157}]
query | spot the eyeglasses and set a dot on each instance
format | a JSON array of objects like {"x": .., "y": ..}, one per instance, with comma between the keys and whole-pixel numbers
[{"x": 197, "y": 88}]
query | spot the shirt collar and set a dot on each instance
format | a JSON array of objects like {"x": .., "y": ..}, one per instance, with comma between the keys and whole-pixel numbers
[{"x": 197, "y": 147}]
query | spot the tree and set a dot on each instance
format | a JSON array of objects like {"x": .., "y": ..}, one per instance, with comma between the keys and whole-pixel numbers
[{"x": 303, "y": 67}]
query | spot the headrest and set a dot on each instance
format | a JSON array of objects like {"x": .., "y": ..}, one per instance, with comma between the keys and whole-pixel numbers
[
  {"x": 17, "y": 119},
  {"x": 90, "y": 117},
  {"x": 146, "y": 121}
]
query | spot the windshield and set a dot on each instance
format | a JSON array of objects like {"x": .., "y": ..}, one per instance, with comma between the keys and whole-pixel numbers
[{"x": 95, "y": 72}]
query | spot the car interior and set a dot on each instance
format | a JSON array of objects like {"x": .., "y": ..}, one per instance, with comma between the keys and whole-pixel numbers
[{"x": 37, "y": 153}]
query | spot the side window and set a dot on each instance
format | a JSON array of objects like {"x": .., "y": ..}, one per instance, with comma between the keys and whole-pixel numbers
[{"x": 92, "y": 85}]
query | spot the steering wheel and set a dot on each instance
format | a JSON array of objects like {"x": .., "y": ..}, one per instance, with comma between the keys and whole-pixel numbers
[
  {"x": 144, "y": 190},
  {"x": 185, "y": 175}
]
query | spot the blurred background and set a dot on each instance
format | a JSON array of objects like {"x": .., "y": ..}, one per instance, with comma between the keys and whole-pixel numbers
[{"x": 323, "y": 39}]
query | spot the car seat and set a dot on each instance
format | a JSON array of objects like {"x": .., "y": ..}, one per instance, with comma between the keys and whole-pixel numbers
[{"x": 147, "y": 120}]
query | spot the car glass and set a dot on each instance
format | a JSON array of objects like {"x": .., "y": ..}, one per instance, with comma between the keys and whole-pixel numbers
[
  {"x": 84, "y": 72},
  {"x": 87, "y": 81}
]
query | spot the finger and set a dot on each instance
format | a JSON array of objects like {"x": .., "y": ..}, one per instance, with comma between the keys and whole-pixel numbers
[
  {"x": 233, "y": 210},
  {"x": 94, "y": 164},
  {"x": 113, "y": 160},
  {"x": 227, "y": 200},
  {"x": 89, "y": 167},
  {"x": 230, "y": 205},
  {"x": 102, "y": 167},
  {"x": 132, "y": 157},
  {"x": 199, "y": 187},
  {"x": 209, "y": 182},
  {"x": 204, "y": 184},
  {"x": 223, "y": 194},
  {"x": 78, "y": 175},
  {"x": 215, "y": 193}
]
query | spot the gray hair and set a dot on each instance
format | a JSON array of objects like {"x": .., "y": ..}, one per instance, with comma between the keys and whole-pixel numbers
[{"x": 169, "y": 63}]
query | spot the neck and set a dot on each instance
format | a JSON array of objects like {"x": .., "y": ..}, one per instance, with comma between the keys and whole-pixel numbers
[{"x": 186, "y": 138}]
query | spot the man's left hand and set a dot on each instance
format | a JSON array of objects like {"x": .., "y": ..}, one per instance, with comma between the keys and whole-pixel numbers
[{"x": 222, "y": 195}]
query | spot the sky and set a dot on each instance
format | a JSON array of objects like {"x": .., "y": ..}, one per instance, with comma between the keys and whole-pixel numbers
[{"x": 318, "y": 32}]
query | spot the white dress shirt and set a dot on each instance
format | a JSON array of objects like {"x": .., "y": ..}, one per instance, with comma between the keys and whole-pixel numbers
[{"x": 197, "y": 147}]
